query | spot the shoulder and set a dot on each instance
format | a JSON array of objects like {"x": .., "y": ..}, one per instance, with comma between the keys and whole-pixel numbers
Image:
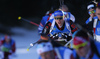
[
  {"x": 95, "y": 17},
  {"x": 45, "y": 16},
  {"x": 51, "y": 20},
  {"x": 12, "y": 41}
]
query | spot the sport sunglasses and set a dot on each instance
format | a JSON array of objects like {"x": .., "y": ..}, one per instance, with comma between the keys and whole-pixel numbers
[{"x": 91, "y": 12}]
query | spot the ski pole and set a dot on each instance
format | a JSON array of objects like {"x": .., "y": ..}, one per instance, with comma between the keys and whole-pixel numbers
[
  {"x": 19, "y": 18},
  {"x": 31, "y": 45},
  {"x": 68, "y": 42}
]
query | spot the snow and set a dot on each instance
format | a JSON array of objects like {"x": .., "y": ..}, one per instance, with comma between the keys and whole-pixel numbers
[{"x": 23, "y": 37}]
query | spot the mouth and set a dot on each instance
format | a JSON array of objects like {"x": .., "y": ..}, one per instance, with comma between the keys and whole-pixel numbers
[{"x": 59, "y": 22}]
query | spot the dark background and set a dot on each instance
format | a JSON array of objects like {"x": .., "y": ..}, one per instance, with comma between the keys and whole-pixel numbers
[{"x": 34, "y": 10}]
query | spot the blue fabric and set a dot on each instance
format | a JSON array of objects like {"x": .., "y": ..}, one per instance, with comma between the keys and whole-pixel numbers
[
  {"x": 97, "y": 31},
  {"x": 68, "y": 19},
  {"x": 42, "y": 23},
  {"x": 87, "y": 21},
  {"x": 56, "y": 30},
  {"x": 9, "y": 45},
  {"x": 58, "y": 13},
  {"x": 95, "y": 17},
  {"x": 98, "y": 28}
]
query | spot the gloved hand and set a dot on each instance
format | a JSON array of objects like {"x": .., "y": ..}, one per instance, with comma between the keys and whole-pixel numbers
[
  {"x": 55, "y": 36},
  {"x": 64, "y": 35}
]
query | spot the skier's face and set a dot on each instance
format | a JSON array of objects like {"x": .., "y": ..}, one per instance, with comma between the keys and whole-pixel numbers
[
  {"x": 82, "y": 51},
  {"x": 48, "y": 55},
  {"x": 98, "y": 12},
  {"x": 92, "y": 12},
  {"x": 7, "y": 38},
  {"x": 59, "y": 20}
]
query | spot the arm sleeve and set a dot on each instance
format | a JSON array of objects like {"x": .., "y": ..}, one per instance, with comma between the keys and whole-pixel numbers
[
  {"x": 1, "y": 42},
  {"x": 72, "y": 17},
  {"x": 73, "y": 27},
  {"x": 46, "y": 28},
  {"x": 41, "y": 26},
  {"x": 13, "y": 47}
]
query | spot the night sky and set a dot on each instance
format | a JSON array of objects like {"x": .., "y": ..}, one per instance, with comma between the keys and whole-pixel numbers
[{"x": 11, "y": 9}]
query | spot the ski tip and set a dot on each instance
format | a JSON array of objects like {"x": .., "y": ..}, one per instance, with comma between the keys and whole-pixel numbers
[
  {"x": 19, "y": 18},
  {"x": 27, "y": 49}
]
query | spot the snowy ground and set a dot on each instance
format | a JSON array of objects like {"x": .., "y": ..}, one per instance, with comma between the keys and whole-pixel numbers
[{"x": 23, "y": 39}]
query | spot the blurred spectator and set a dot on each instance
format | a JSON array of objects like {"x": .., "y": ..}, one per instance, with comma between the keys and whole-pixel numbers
[{"x": 7, "y": 47}]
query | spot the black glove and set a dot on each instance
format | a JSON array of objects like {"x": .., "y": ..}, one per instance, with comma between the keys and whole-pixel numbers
[
  {"x": 55, "y": 36},
  {"x": 64, "y": 35}
]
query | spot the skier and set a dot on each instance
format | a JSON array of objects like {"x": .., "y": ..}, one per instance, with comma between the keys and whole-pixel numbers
[
  {"x": 58, "y": 28},
  {"x": 91, "y": 11},
  {"x": 52, "y": 50},
  {"x": 85, "y": 47},
  {"x": 7, "y": 46}
]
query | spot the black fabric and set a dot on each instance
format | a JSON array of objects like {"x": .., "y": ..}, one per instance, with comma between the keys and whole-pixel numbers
[
  {"x": 89, "y": 27},
  {"x": 46, "y": 30},
  {"x": 94, "y": 48}
]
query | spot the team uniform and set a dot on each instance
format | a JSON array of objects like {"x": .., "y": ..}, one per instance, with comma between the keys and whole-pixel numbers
[
  {"x": 96, "y": 28},
  {"x": 53, "y": 30},
  {"x": 7, "y": 49}
]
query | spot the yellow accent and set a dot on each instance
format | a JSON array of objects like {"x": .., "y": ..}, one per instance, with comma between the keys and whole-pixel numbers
[
  {"x": 19, "y": 18},
  {"x": 27, "y": 49},
  {"x": 80, "y": 45}
]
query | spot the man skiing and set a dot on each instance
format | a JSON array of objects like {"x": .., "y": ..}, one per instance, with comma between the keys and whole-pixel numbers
[{"x": 57, "y": 28}]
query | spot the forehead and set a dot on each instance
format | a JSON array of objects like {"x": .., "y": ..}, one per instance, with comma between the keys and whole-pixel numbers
[
  {"x": 91, "y": 9},
  {"x": 58, "y": 16}
]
